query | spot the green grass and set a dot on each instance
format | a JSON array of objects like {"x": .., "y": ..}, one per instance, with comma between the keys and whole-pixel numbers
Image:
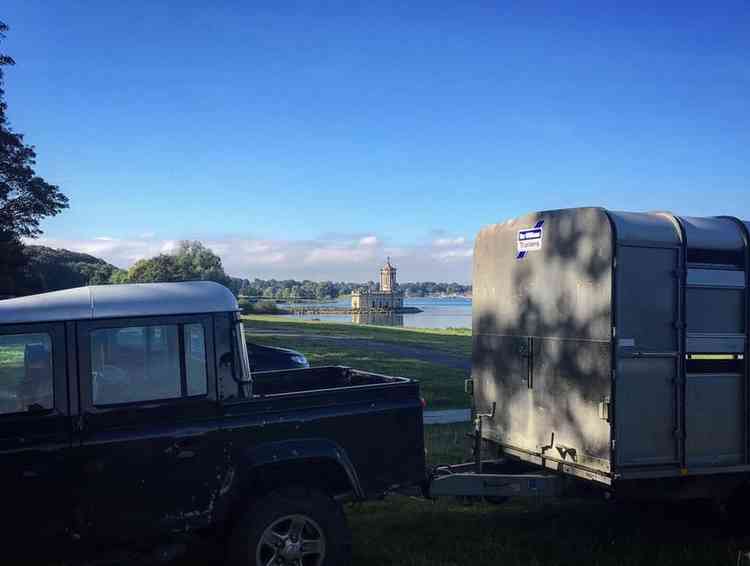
[
  {"x": 402, "y": 531},
  {"x": 447, "y": 443},
  {"x": 11, "y": 367},
  {"x": 11, "y": 357},
  {"x": 441, "y": 386},
  {"x": 449, "y": 340},
  {"x": 405, "y": 531}
]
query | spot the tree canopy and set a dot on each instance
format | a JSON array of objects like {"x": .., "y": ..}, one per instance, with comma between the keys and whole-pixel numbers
[
  {"x": 192, "y": 261},
  {"x": 51, "y": 270},
  {"x": 25, "y": 198},
  {"x": 290, "y": 289}
]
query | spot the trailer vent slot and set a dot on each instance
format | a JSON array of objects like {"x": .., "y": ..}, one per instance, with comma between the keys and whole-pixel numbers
[
  {"x": 735, "y": 258},
  {"x": 714, "y": 363}
]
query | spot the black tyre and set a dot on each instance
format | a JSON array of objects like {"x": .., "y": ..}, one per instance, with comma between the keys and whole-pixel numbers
[{"x": 292, "y": 528}]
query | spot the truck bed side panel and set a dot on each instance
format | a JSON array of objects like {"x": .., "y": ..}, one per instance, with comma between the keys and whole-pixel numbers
[{"x": 378, "y": 428}]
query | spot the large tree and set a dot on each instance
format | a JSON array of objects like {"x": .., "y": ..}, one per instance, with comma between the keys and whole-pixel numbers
[
  {"x": 191, "y": 261},
  {"x": 25, "y": 198}
]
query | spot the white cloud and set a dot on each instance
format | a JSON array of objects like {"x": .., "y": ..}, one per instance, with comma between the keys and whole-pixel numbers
[
  {"x": 340, "y": 257},
  {"x": 448, "y": 242},
  {"x": 453, "y": 254}
]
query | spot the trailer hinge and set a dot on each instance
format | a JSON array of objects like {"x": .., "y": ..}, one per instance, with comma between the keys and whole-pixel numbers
[
  {"x": 79, "y": 424},
  {"x": 614, "y": 442},
  {"x": 604, "y": 409}
]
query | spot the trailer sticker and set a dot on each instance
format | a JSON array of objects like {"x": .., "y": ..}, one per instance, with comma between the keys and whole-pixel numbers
[{"x": 530, "y": 240}]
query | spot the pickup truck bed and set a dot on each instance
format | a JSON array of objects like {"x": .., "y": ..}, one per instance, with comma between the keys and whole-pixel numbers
[{"x": 333, "y": 413}]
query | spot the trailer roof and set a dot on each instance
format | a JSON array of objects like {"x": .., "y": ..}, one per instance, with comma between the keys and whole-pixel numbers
[
  {"x": 116, "y": 301},
  {"x": 645, "y": 227}
]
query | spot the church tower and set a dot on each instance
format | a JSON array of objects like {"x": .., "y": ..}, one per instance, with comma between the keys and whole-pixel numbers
[{"x": 388, "y": 278}]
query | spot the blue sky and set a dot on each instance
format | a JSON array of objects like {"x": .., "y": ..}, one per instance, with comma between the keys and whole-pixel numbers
[{"x": 309, "y": 139}]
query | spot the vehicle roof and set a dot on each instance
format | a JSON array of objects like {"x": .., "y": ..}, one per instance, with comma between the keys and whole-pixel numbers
[{"x": 116, "y": 301}]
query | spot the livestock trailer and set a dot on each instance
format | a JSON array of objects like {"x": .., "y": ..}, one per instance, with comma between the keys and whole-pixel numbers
[{"x": 612, "y": 347}]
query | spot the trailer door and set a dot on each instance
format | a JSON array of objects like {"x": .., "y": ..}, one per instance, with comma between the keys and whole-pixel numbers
[{"x": 648, "y": 356}]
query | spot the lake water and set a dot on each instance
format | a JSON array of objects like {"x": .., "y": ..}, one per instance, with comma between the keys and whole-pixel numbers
[{"x": 450, "y": 312}]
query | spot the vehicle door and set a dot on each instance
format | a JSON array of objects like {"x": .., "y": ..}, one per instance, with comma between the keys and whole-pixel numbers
[
  {"x": 35, "y": 432},
  {"x": 149, "y": 443}
]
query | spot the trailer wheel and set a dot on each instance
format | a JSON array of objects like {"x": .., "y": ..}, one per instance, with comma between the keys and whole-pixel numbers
[{"x": 294, "y": 527}]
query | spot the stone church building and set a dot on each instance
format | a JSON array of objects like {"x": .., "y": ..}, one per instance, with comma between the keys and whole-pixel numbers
[{"x": 389, "y": 298}]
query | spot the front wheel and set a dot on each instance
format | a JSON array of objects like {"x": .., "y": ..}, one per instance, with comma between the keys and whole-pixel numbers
[{"x": 292, "y": 528}]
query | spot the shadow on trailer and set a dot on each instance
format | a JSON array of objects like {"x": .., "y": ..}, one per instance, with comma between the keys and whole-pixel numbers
[{"x": 609, "y": 347}]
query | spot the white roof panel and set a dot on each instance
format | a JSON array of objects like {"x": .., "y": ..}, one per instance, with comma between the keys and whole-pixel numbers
[{"x": 115, "y": 301}]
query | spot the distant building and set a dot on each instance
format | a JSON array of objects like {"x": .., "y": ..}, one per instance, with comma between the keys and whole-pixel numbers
[{"x": 389, "y": 298}]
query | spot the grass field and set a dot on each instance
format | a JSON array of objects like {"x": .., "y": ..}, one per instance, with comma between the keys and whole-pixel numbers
[
  {"x": 453, "y": 340},
  {"x": 371, "y": 348},
  {"x": 447, "y": 443},
  {"x": 405, "y": 531},
  {"x": 402, "y": 531}
]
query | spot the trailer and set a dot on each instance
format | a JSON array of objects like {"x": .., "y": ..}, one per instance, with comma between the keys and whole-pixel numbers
[{"x": 609, "y": 347}]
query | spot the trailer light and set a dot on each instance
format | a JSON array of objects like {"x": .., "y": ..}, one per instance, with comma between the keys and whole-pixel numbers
[
  {"x": 714, "y": 357},
  {"x": 424, "y": 403}
]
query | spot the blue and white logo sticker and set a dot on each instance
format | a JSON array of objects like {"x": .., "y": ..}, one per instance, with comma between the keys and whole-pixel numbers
[{"x": 530, "y": 239}]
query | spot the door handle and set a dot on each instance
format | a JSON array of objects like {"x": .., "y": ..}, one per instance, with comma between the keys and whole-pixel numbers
[{"x": 79, "y": 423}]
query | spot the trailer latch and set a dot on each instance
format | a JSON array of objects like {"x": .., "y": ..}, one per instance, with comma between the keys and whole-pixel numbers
[{"x": 604, "y": 409}]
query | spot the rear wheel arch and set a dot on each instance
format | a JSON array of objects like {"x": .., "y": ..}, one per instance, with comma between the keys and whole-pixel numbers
[{"x": 319, "y": 474}]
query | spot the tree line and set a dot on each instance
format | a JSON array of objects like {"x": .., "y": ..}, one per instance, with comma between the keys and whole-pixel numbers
[
  {"x": 46, "y": 269},
  {"x": 291, "y": 289}
]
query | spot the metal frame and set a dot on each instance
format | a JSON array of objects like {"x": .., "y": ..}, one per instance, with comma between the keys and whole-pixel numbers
[
  {"x": 746, "y": 376},
  {"x": 459, "y": 481}
]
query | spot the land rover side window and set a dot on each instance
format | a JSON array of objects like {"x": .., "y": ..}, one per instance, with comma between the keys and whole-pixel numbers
[
  {"x": 25, "y": 373},
  {"x": 137, "y": 363},
  {"x": 195, "y": 359},
  {"x": 148, "y": 363}
]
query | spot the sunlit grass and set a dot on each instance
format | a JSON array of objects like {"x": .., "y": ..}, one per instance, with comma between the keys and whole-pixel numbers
[
  {"x": 441, "y": 386},
  {"x": 451, "y": 340}
]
